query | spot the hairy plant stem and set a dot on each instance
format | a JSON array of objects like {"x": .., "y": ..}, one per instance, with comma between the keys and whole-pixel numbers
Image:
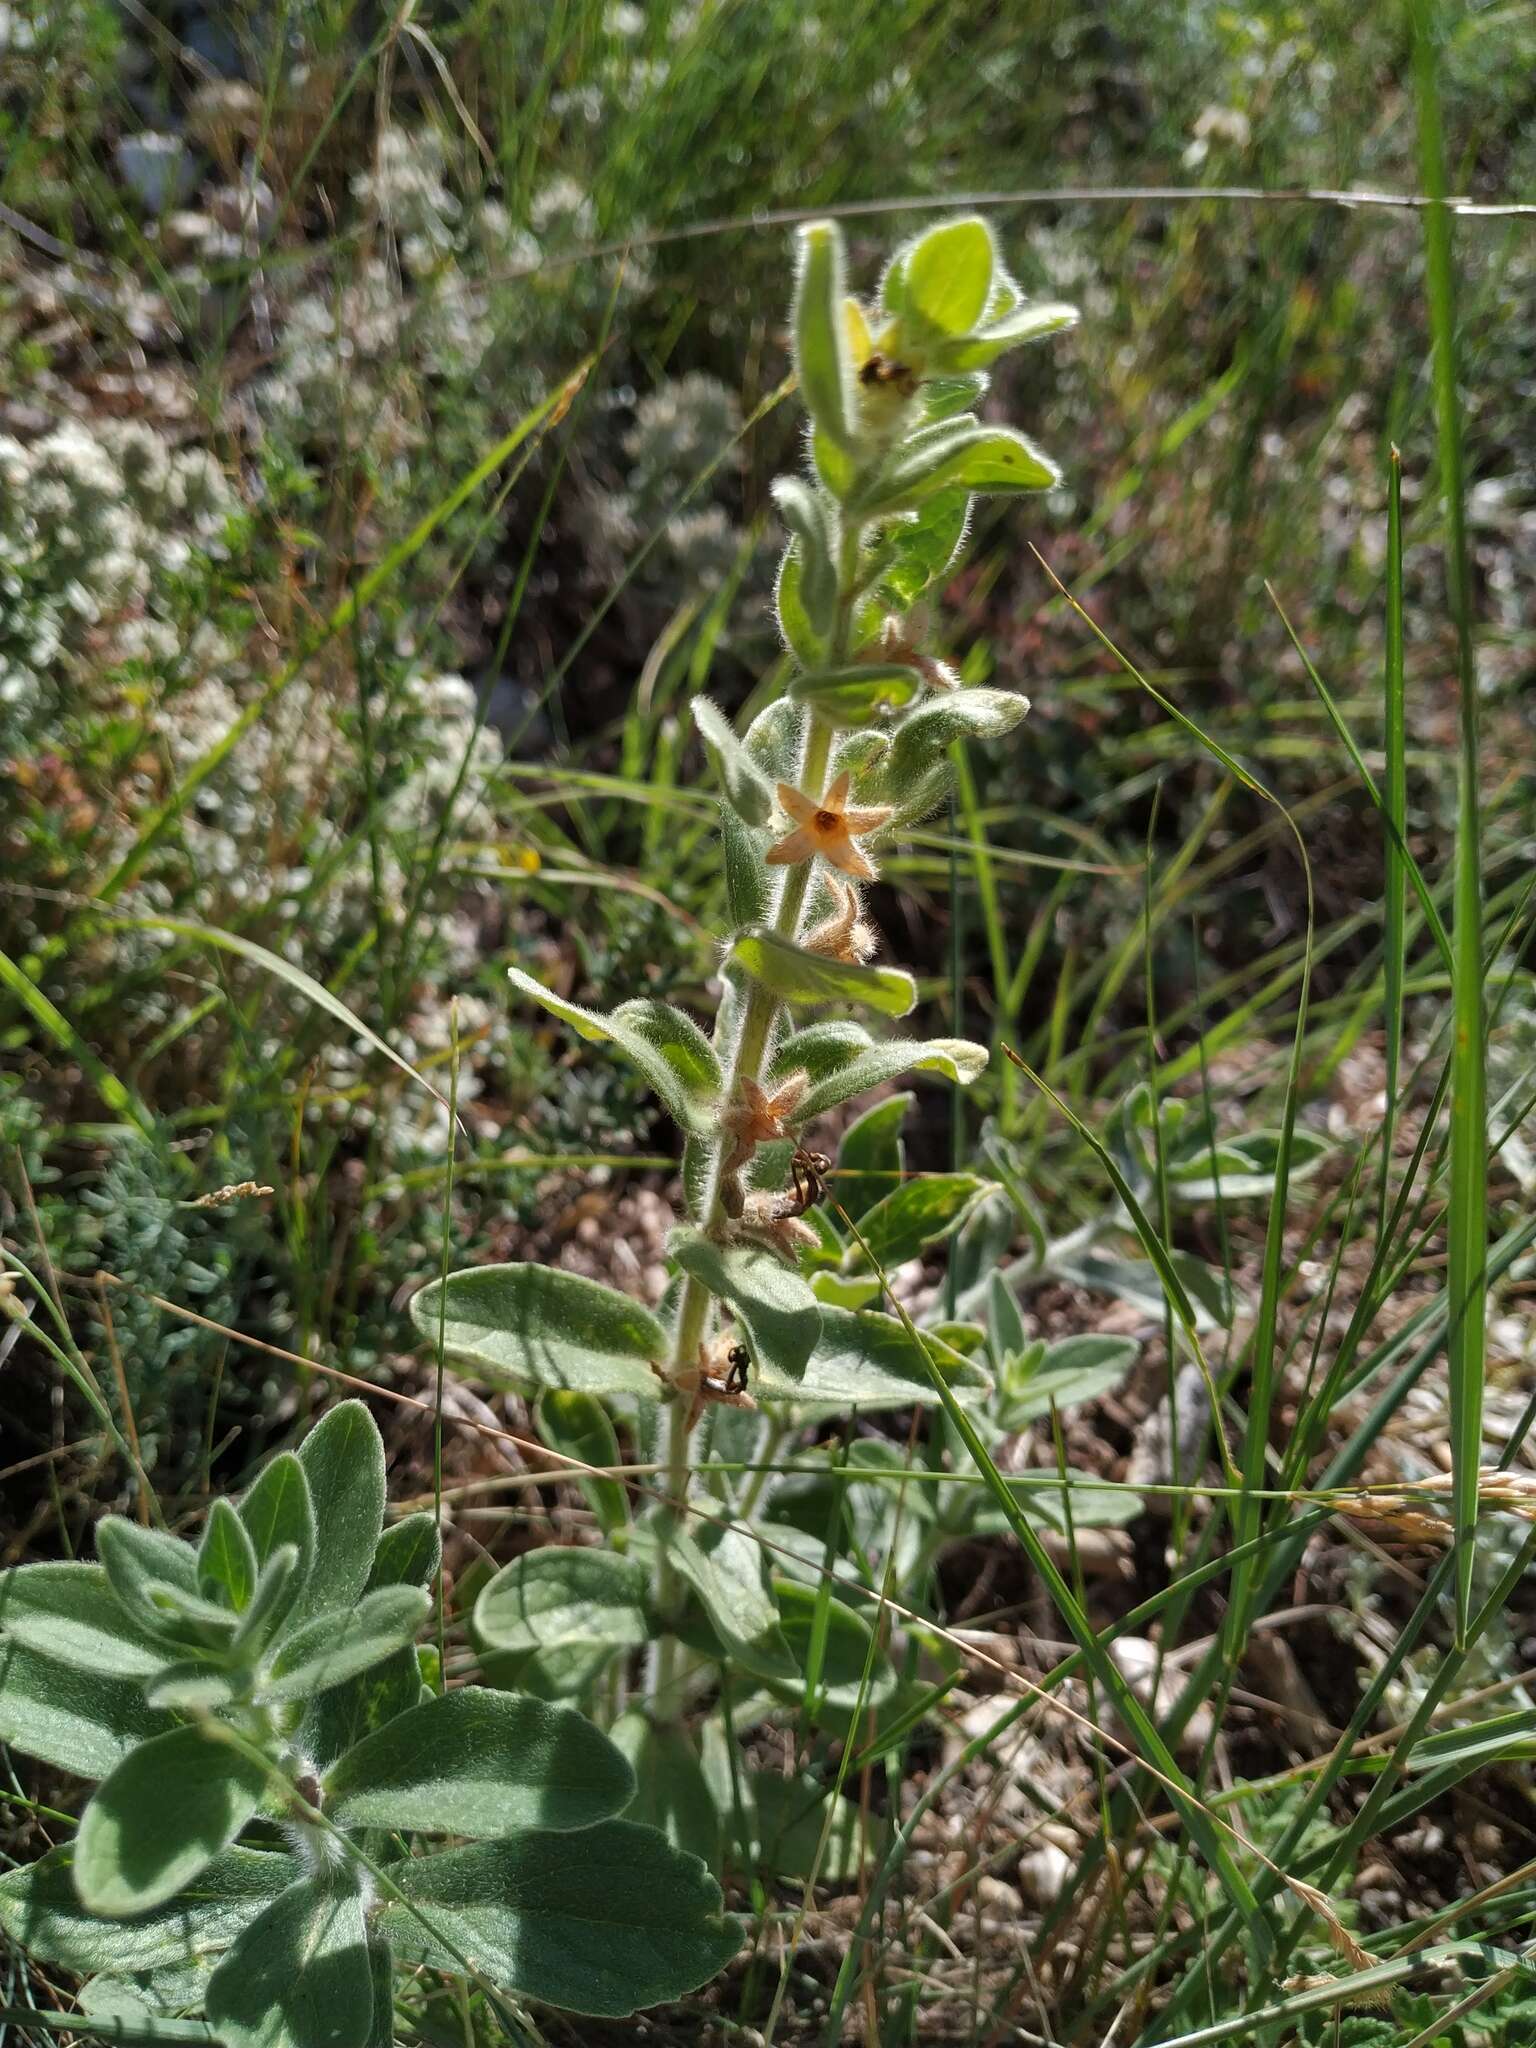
[{"x": 757, "y": 1022}]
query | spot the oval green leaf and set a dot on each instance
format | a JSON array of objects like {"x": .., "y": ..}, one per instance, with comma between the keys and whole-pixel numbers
[
  {"x": 530, "y": 1327},
  {"x": 481, "y": 1763}
]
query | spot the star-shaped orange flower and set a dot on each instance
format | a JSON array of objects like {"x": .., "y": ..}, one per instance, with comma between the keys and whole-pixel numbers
[
  {"x": 759, "y": 1117},
  {"x": 828, "y": 828}
]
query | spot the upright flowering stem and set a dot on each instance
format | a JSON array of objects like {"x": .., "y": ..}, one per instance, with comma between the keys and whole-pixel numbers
[{"x": 752, "y": 1042}]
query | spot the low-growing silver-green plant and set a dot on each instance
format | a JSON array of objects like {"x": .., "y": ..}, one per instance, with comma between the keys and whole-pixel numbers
[
  {"x": 268, "y": 1740},
  {"x": 857, "y": 748}
]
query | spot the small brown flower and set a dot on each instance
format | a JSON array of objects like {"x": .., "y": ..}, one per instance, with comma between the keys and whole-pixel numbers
[
  {"x": 757, "y": 1118},
  {"x": 828, "y": 828},
  {"x": 844, "y": 935}
]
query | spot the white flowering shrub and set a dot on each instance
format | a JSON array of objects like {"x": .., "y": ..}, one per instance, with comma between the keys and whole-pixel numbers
[{"x": 93, "y": 521}]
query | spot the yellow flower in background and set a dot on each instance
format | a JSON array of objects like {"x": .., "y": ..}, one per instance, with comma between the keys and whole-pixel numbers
[{"x": 828, "y": 828}]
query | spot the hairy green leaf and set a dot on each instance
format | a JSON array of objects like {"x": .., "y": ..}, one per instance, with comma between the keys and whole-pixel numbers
[
  {"x": 602, "y": 1922},
  {"x": 774, "y": 1305},
  {"x": 863, "y": 693},
  {"x": 159, "y": 1820},
  {"x": 672, "y": 1792},
  {"x": 279, "y": 1513},
  {"x": 564, "y": 1599},
  {"x": 343, "y": 1460},
  {"x": 81, "y": 1721},
  {"x": 410, "y": 1552},
  {"x": 912, "y": 1215},
  {"x": 40, "y": 1909},
  {"x": 801, "y": 977},
  {"x": 481, "y": 1763},
  {"x": 866, "y": 1360},
  {"x": 70, "y": 1612},
  {"x": 335, "y": 1646},
  {"x": 668, "y": 1048},
  {"x": 578, "y": 1426},
  {"x": 530, "y": 1327},
  {"x": 748, "y": 789},
  {"x": 948, "y": 275},
  {"x": 300, "y": 1975},
  {"x": 226, "y": 1559},
  {"x": 821, "y": 343}
]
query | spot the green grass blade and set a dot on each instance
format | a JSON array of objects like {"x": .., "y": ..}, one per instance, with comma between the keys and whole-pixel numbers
[
  {"x": 51, "y": 1019},
  {"x": 1467, "y": 1225},
  {"x": 1394, "y": 899}
]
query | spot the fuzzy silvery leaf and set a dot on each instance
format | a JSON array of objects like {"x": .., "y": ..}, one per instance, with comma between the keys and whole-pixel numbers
[
  {"x": 279, "y": 1514},
  {"x": 843, "y": 1687},
  {"x": 922, "y": 741},
  {"x": 556, "y": 1674},
  {"x": 161, "y": 1817},
  {"x": 343, "y": 1461},
  {"x": 748, "y": 789},
  {"x": 812, "y": 522},
  {"x": 958, "y": 454},
  {"x": 672, "y": 1793},
  {"x": 847, "y": 1290},
  {"x": 345, "y": 1714},
  {"x": 956, "y": 1059},
  {"x": 193, "y": 1687},
  {"x": 746, "y": 875},
  {"x": 719, "y": 1559},
  {"x": 80, "y": 1721},
  {"x": 836, "y": 465},
  {"x": 1242, "y": 1168},
  {"x": 912, "y": 1215},
  {"x": 774, "y": 1305},
  {"x": 68, "y": 1611},
  {"x": 924, "y": 547},
  {"x": 603, "y": 1922},
  {"x": 300, "y": 1975},
  {"x": 528, "y": 1327},
  {"x": 945, "y": 398},
  {"x": 40, "y": 1909},
  {"x": 980, "y": 1246},
  {"x": 871, "y": 1157},
  {"x": 481, "y": 1763},
  {"x": 800, "y": 635},
  {"x": 1061, "y": 1375},
  {"x": 819, "y": 1050},
  {"x": 410, "y": 1552},
  {"x": 1006, "y": 1333},
  {"x": 947, "y": 276},
  {"x": 274, "y": 1596},
  {"x": 863, "y": 693},
  {"x": 227, "y": 1565},
  {"x": 145, "y": 1568},
  {"x": 668, "y": 1048},
  {"x": 564, "y": 1599},
  {"x": 1010, "y": 330},
  {"x": 867, "y": 1360},
  {"x": 822, "y": 360},
  {"x": 1137, "y": 1281},
  {"x": 798, "y": 976},
  {"x": 773, "y": 739},
  {"x": 578, "y": 1426},
  {"x": 336, "y": 1645}
]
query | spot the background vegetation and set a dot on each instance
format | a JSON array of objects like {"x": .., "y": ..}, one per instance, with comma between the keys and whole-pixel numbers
[{"x": 387, "y": 403}]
